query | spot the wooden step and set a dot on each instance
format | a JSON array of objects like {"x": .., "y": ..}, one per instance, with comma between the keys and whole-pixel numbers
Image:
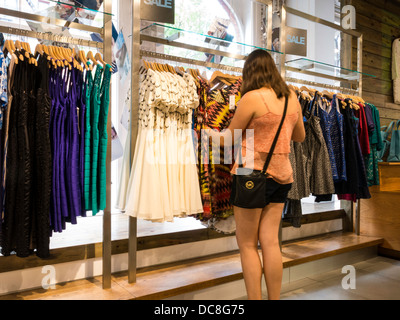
[{"x": 170, "y": 280}]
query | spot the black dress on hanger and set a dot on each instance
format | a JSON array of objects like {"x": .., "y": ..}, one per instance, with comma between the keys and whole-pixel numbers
[{"x": 28, "y": 164}]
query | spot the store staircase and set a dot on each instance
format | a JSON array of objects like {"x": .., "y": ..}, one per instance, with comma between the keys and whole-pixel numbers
[{"x": 201, "y": 274}]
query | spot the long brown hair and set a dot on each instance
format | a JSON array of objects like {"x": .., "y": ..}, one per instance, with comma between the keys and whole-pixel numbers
[{"x": 260, "y": 71}]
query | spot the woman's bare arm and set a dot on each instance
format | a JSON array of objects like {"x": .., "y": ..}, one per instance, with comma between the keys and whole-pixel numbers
[
  {"x": 243, "y": 115},
  {"x": 299, "y": 133}
]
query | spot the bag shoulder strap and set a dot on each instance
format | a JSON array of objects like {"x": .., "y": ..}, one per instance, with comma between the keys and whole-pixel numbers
[
  {"x": 271, "y": 151},
  {"x": 389, "y": 129}
]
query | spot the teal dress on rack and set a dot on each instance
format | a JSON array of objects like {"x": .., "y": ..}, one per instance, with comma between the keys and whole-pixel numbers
[
  {"x": 103, "y": 118},
  {"x": 88, "y": 137},
  {"x": 95, "y": 141},
  {"x": 376, "y": 144}
]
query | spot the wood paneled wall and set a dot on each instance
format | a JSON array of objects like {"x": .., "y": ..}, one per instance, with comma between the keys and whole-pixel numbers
[{"x": 379, "y": 22}]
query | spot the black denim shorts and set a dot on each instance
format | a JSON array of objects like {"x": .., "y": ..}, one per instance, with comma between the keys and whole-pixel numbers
[{"x": 274, "y": 193}]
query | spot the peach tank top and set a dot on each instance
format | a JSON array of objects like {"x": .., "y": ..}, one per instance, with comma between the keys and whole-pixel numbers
[{"x": 257, "y": 141}]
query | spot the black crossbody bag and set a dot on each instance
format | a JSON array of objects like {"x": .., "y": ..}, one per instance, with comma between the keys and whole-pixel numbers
[{"x": 249, "y": 190}]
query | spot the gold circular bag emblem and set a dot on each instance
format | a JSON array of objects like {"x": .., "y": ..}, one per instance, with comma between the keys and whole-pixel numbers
[{"x": 249, "y": 185}]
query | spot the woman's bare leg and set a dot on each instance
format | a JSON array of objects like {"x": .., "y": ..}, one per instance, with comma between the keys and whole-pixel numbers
[
  {"x": 247, "y": 223},
  {"x": 272, "y": 257}
]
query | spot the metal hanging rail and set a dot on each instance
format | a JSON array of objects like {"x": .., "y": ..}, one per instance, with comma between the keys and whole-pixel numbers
[
  {"x": 161, "y": 56},
  {"x": 322, "y": 85},
  {"x": 51, "y": 37}
]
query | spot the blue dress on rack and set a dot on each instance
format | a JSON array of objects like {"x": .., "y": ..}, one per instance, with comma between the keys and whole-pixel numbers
[{"x": 332, "y": 127}]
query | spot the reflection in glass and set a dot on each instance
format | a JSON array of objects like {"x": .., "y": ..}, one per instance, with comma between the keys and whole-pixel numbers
[{"x": 325, "y": 69}]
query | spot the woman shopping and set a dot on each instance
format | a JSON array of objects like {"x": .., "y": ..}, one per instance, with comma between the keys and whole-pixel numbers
[{"x": 269, "y": 117}]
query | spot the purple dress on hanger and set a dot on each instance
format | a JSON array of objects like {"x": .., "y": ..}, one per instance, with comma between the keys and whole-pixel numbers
[
  {"x": 55, "y": 89},
  {"x": 72, "y": 152},
  {"x": 81, "y": 92}
]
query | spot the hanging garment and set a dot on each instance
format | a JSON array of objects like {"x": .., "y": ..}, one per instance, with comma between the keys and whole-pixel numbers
[
  {"x": 318, "y": 164},
  {"x": 3, "y": 108},
  {"x": 10, "y": 164},
  {"x": 63, "y": 149},
  {"x": 95, "y": 138},
  {"x": 28, "y": 167},
  {"x": 215, "y": 111},
  {"x": 5, "y": 128},
  {"x": 81, "y": 104},
  {"x": 323, "y": 109},
  {"x": 3, "y": 80},
  {"x": 332, "y": 128},
  {"x": 43, "y": 162},
  {"x": 72, "y": 162},
  {"x": 126, "y": 162},
  {"x": 356, "y": 186},
  {"x": 161, "y": 186},
  {"x": 376, "y": 145},
  {"x": 55, "y": 210},
  {"x": 23, "y": 197},
  {"x": 363, "y": 136},
  {"x": 103, "y": 138},
  {"x": 87, "y": 191},
  {"x": 363, "y": 190},
  {"x": 350, "y": 186}
]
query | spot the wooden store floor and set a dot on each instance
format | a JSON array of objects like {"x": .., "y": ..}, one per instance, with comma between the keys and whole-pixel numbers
[{"x": 174, "y": 279}]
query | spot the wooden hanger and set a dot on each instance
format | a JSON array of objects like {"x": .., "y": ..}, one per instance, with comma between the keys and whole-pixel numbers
[
  {"x": 90, "y": 56},
  {"x": 28, "y": 53},
  {"x": 171, "y": 69},
  {"x": 77, "y": 61},
  {"x": 38, "y": 50},
  {"x": 225, "y": 78},
  {"x": 306, "y": 95},
  {"x": 84, "y": 60},
  {"x": 10, "y": 48},
  {"x": 304, "y": 88},
  {"x": 161, "y": 67},
  {"x": 61, "y": 55},
  {"x": 18, "y": 47},
  {"x": 99, "y": 58},
  {"x": 58, "y": 55},
  {"x": 327, "y": 94},
  {"x": 55, "y": 56}
]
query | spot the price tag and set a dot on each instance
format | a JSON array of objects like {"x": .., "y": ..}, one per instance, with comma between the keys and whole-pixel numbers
[{"x": 232, "y": 102}]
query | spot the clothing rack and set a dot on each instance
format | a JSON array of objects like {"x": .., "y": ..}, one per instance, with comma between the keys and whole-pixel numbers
[
  {"x": 137, "y": 54},
  {"x": 106, "y": 48},
  {"x": 132, "y": 242},
  {"x": 284, "y": 11}
]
